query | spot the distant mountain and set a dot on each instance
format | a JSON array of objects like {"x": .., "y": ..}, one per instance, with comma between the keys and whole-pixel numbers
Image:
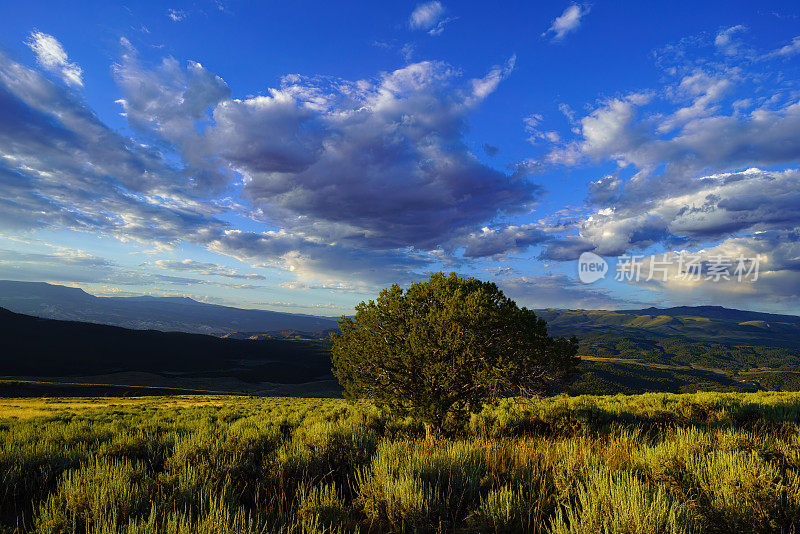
[
  {"x": 685, "y": 348},
  {"x": 699, "y": 323},
  {"x": 719, "y": 313},
  {"x": 36, "y": 347},
  {"x": 168, "y": 314},
  {"x": 674, "y": 349}
]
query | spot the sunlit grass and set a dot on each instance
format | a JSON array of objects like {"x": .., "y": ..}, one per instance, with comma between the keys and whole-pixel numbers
[
  {"x": 25, "y": 408},
  {"x": 646, "y": 463}
]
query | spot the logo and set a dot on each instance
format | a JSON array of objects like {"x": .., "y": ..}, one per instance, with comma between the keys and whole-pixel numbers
[{"x": 591, "y": 267}]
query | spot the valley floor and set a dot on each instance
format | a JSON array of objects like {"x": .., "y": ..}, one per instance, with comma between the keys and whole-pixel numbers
[{"x": 656, "y": 462}]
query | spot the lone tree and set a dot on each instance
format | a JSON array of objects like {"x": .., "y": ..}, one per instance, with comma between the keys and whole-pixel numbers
[{"x": 440, "y": 349}]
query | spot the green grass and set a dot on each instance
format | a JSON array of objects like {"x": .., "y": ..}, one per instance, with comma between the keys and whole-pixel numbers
[{"x": 651, "y": 463}]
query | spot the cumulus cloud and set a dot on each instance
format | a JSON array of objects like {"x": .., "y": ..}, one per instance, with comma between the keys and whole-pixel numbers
[
  {"x": 52, "y": 56},
  {"x": 760, "y": 271},
  {"x": 707, "y": 210},
  {"x": 691, "y": 159},
  {"x": 567, "y": 22},
  {"x": 748, "y": 214},
  {"x": 63, "y": 168},
  {"x": 703, "y": 122},
  {"x": 394, "y": 172},
  {"x": 376, "y": 163},
  {"x": 430, "y": 17},
  {"x": 368, "y": 178},
  {"x": 704, "y": 141}
]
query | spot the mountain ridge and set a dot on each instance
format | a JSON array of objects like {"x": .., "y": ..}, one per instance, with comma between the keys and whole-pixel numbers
[
  {"x": 183, "y": 314},
  {"x": 146, "y": 312}
]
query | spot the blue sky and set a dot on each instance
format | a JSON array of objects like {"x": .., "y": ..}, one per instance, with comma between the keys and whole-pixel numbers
[{"x": 301, "y": 156}]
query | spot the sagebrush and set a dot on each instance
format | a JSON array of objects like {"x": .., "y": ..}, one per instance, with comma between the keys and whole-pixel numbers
[{"x": 653, "y": 463}]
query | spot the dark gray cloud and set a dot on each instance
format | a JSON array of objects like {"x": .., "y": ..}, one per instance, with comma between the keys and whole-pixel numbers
[
  {"x": 360, "y": 177},
  {"x": 565, "y": 248},
  {"x": 369, "y": 169},
  {"x": 502, "y": 240},
  {"x": 394, "y": 171}
]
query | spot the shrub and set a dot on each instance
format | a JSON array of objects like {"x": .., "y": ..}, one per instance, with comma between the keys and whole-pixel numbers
[
  {"x": 412, "y": 485},
  {"x": 100, "y": 489},
  {"x": 621, "y": 503},
  {"x": 744, "y": 492},
  {"x": 321, "y": 507}
]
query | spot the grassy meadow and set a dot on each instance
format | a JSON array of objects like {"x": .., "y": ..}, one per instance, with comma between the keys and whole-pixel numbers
[{"x": 660, "y": 463}]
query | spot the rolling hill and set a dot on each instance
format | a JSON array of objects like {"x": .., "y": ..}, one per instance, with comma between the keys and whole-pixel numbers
[
  {"x": 626, "y": 351},
  {"x": 706, "y": 323},
  {"x": 681, "y": 349}
]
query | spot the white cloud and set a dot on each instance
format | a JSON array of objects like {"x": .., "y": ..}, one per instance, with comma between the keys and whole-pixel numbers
[
  {"x": 726, "y": 41},
  {"x": 176, "y": 15},
  {"x": 531, "y": 124},
  {"x": 773, "y": 283},
  {"x": 205, "y": 268},
  {"x": 483, "y": 87},
  {"x": 712, "y": 129},
  {"x": 429, "y": 17},
  {"x": 707, "y": 209},
  {"x": 689, "y": 157},
  {"x": 567, "y": 22},
  {"x": 52, "y": 56},
  {"x": 751, "y": 213},
  {"x": 786, "y": 51}
]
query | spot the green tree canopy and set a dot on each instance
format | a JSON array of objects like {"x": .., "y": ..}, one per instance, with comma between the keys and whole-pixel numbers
[{"x": 443, "y": 347}]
